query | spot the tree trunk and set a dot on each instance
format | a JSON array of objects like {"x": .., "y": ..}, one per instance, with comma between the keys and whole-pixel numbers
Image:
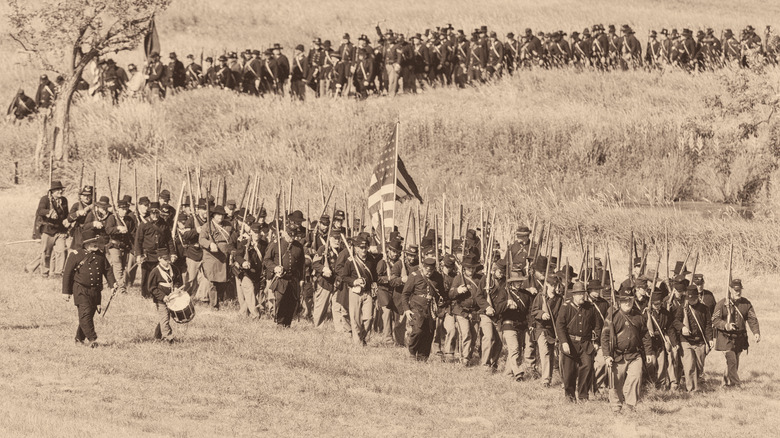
[{"x": 59, "y": 141}]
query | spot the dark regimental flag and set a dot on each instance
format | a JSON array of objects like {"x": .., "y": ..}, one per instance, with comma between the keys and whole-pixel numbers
[
  {"x": 390, "y": 181},
  {"x": 151, "y": 39}
]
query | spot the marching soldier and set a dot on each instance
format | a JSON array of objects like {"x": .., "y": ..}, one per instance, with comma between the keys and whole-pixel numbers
[
  {"x": 359, "y": 275},
  {"x": 323, "y": 265},
  {"x": 660, "y": 327},
  {"x": 623, "y": 353},
  {"x": 467, "y": 301},
  {"x": 155, "y": 75},
  {"x": 693, "y": 321},
  {"x": 217, "y": 243},
  {"x": 52, "y": 223},
  {"x": 120, "y": 228},
  {"x": 545, "y": 310},
  {"x": 162, "y": 280},
  {"x": 495, "y": 61},
  {"x": 98, "y": 216},
  {"x": 422, "y": 293},
  {"x": 150, "y": 238},
  {"x": 577, "y": 322},
  {"x": 494, "y": 304},
  {"x": 514, "y": 324},
  {"x": 78, "y": 214},
  {"x": 194, "y": 73},
  {"x": 178, "y": 75},
  {"x": 596, "y": 295},
  {"x": 386, "y": 289},
  {"x": 653, "y": 50},
  {"x": 299, "y": 74},
  {"x": 83, "y": 279},
  {"x": 730, "y": 320},
  {"x": 282, "y": 65},
  {"x": 248, "y": 259},
  {"x": 285, "y": 271}
]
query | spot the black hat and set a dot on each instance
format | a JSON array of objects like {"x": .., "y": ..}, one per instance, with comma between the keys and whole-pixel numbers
[
  {"x": 296, "y": 217},
  {"x": 89, "y": 235},
  {"x": 56, "y": 185},
  {"x": 86, "y": 191},
  {"x": 262, "y": 213},
  {"x": 680, "y": 286},
  {"x": 325, "y": 219},
  {"x": 664, "y": 31},
  {"x": 103, "y": 202},
  {"x": 657, "y": 295},
  {"x": 578, "y": 287},
  {"x": 361, "y": 241},
  {"x": 299, "y": 48},
  {"x": 190, "y": 56},
  {"x": 222, "y": 58},
  {"x": 256, "y": 227},
  {"x": 165, "y": 195},
  {"x": 394, "y": 245},
  {"x": 594, "y": 285},
  {"x": 186, "y": 201},
  {"x": 510, "y": 35},
  {"x": 692, "y": 292},
  {"x": 680, "y": 269},
  {"x": 429, "y": 261},
  {"x": 143, "y": 200},
  {"x": 123, "y": 204},
  {"x": 209, "y": 59},
  {"x": 154, "y": 206},
  {"x": 625, "y": 295},
  {"x": 412, "y": 250},
  {"x": 698, "y": 279},
  {"x": 166, "y": 210},
  {"x": 218, "y": 210},
  {"x": 277, "y": 46},
  {"x": 154, "y": 55},
  {"x": 163, "y": 253},
  {"x": 339, "y": 215},
  {"x": 202, "y": 204},
  {"x": 317, "y": 41},
  {"x": 736, "y": 284}
]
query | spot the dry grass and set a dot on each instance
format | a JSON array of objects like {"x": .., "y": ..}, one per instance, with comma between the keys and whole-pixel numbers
[{"x": 228, "y": 376}]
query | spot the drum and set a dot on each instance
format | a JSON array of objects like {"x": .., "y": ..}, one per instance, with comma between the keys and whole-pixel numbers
[{"x": 181, "y": 307}]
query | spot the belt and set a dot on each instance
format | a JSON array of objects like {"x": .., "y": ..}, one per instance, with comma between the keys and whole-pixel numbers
[{"x": 580, "y": 338}]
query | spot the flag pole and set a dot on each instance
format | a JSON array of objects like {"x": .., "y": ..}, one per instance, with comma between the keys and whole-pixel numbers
[{"x": 395, "y": 169}]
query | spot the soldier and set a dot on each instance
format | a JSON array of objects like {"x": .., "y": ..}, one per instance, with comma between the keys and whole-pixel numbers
[
  {"x": 152, "y": 236},
  {"x": 21, "y": 106},
  {"x": 250, "y": 81},
  {"x": 162, "y": 280},
  {"x": 248, "y": 259},
  {"x": 194, "y": 73},
  {"x": 177, "y": 72},
  {"x": 421, "y": 62},
  {"x": 460, "y": 75},
  {"x": 77, "y": 216},
  {"x": 511, "y": 53},
  {"x": 660, "y": 327},
  {"x": 217, "y": 243},
  {"x": 630, "y": 49},
  {"x": 282, "y": 67},
  {"x": 514, "y": 323},
  {"x": 732, "y": 50},
  {"x": 600, "y": 47},
  {"x": 477, "y": 62},
  {"x": 223, "y": 76},
  {"x": 154, "y": 75},
  {"x": 346, "y": 49},
  {"x": 577, "y": 322},
  {"x": 323, "y": 265},
  {"x": 387, "y": 286},
  {"x": 52, "y": 223},
  {"x": 189, "y": 236},
  {"x": 580, "y": 50},
  {"x": 705, "y": 296},
  {"x": 120, "y": 228},
  {"x": 97, "y": 217},
  {"x": 599, "y": 295},
  {"x": 269, "y": 73},
  {"x": 359, "y": 274},
  {"x": 286, "y": 271},
  {"x": 46, "y": 94},
  {"x": 666, "y": 48},
  {"x": 444, "y": 340},
  {"x": 422, "y": 293},
  {"x": 493, "y": 305},
  {"x": 545, "y": 310},
  {"x": 559, "y": 51},
  {"x": 364, "y": 71},
  {"x": 467, "y": 301},
  {"x": 495, "y": 61},
  {"x": 653, "y": 51},
  {"x": 694, "y": 323},
  {"x": 315, "y": 59},
  {"x": 730, "y": 320},
  {"x": 83, "y": 278},
  {"x": 623, "y": 353},
  {"x": 299, "y": 74}
]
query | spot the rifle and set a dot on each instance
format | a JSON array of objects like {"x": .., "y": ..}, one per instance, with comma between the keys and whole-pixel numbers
[
  {"x": 193, "y": 201},
  {"x": 113, "y": 204},
  {"x": 322, "y": 193},
  {"x": 81, "y": 178},
  {"x": 489, "y": 265},
  {"x": 118, "y": 178},
  {"x": 327, "y": 201},
  {"x": 291, "y": 196},
  {"x": 156, "y": 193},
  {"x": 178, "y": 210},
  {"x": 545, "y": 303},
  {"x": 108, "y": 304},
  {"x": 246, "y": 189},
  {"x": 729, "y": 301},
  {"x": 611, "y": 321},
  {"x": 650, "y": 311}
]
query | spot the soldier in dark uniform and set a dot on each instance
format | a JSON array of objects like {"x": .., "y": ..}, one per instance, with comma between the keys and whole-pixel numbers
[
  {"x": 210, "y": 78},
  {"x": 162, "y": 280},
  {"x": 364, "y": 71},
  {"x": 299, "y": 73},
  {"x": 653, "y": 51},
  {"x": 283, "y": 68},
  {"x": 466, "y": 302},
  {"x": 52, "y": 220},
  {"x": 315, "y": 59},
  {"x": 731, "y": 318},
  {"x": 422, "y": 292},
  {"x": 732, "y": 51},
  {"x": 694, "y": 323},
  {"x": 358, "y": 274},
  {"x": 248, "y": 260},
  {"x": 269, "y": 74},
  {"x": 660, "y": 325},
  {"x": 194, "y": 73},
  {"x": 630, "y": 49},
  {"x": 151, "y": 236},
  {"x": 323, "y": 266},
  {"x": 623, "y": 352},
  {"x": 577, "y": 322},
  {"x": 177, "y": 72},
  {"x": 385, "y": 290},
  {"x": 22, "y": 106},
  {"x": 83, "y": 278},
  {"x": 224, "y": 76},
  {"x": 77, "y": 216},
  {"x": 46, "y": 94},
  {"x": 155, "y": 74},
  {"x": 599, "y": 295},
  {"x": 97, "y": 217},
  {"x": 120, "y": 229},
  {"x": 514, "y": 323},
  {"x": 285, "y": 278},
  {"x": 545, "y": 310},
  {"x": 494, "y": 303},
  {"x": 445, "y": 336}
]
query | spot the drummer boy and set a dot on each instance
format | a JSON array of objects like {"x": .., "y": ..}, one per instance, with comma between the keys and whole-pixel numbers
[{"x": 163, "y": 279}]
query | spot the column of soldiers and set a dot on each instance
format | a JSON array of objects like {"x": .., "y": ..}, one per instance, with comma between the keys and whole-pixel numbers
[
  {"x": 395, "y": 63},
  {"x": 463, "y": 300}
]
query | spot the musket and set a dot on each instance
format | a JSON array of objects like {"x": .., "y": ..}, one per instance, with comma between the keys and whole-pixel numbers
[
  {"x": 224, "y": 191},
  {"x": 489, "y": 265},
  {"x": 417, "y": 228},
  {"x": 178, "y": 210},
  {"x": 118, "y": 178},
  {"x": 327, "y": 201},
  {"x": 113, "y": 203},
  {"x": 23, "y": 241},
  {"x": 246, "y": 189},
  {"x": 545, "y": 303},
  {"x": 611, "y": 321},
  {"x": 424, "y": 222},
  {"x": 193, "y": 201},
  {"x": 108, "y": 304},
  {"x": 219, "y": 191},
  {"x": 443, "y": 223},
  {"x": 94, "y": 190},
  {"x": 208, "y": 212},
  {"x": 289, "y": 208},
  {"x": 404, "y": 272},
  {"x": 346, "y": 214},
  {"x": 482, "y": 230},
  {"x": 156, "y": 194},
  {"x": 729, "y": 301},
  {"x": 322, "y": 193},
  {"x": 81, "y": 178}
]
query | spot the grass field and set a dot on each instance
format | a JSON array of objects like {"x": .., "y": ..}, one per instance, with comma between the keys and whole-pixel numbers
[{"x": 230, "y": 377}]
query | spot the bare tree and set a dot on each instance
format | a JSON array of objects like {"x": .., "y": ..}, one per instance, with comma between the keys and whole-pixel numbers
[{"x": 65, "y": 36}]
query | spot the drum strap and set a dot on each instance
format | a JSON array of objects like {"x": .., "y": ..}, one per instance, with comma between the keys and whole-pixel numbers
[{"x": 167, "y": 276}]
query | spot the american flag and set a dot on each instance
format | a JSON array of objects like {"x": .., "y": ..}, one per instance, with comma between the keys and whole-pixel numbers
[{"x": 390, "y": 181}]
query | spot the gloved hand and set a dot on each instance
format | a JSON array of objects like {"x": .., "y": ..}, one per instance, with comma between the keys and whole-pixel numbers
[{"x": 565, "y": 348}]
